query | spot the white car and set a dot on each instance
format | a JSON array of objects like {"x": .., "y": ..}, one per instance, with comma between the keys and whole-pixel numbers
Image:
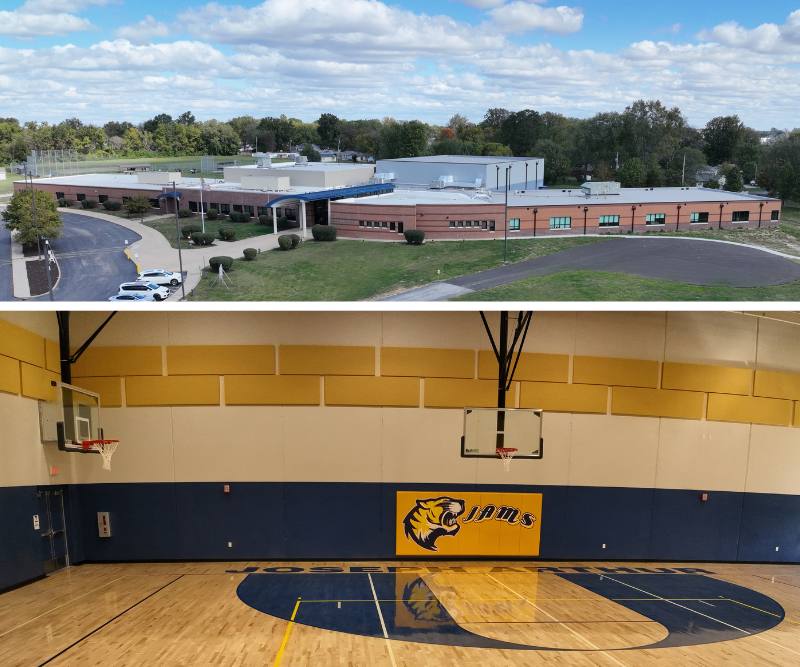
[
  {"x": 145, "y": 296},
  {"x": 160, "y": 277},
  {"x": 158, "y": 292}
]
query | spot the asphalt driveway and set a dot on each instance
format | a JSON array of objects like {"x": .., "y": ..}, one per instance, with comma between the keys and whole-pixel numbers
[{"x": 676, "y": 259}]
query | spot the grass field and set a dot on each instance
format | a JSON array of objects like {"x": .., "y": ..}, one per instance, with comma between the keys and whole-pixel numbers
[
  {"x": 244, "y": 230},
  {"x": 358, "y": 270},
  {"x": 594, "y": 286}
]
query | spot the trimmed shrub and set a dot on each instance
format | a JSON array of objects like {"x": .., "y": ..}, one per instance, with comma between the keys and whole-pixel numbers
[
  {"x": 324, "y": 233},
  {"x": 414, "y": 237},
  {"x": 285, "y": 223},
  {"x": 64, "y": 203},
  {"x": 265, "y": 220},
  {"x": 250, "y": 254},
  {"x": 285, "y": 243},
  {"x": 88, "y": 203},
  {"x": 295, "y": 240},
  {"x": 225, "y": 262},
  {"x": 188, "y": 230},
  {"x": 198, "y": 238},
  {"x": 212, "y": 214},
  {"x": 109, "y": 205},
  {"x": 184, "y": 213},
  {"x": 239, "y": 217},
  {"x": 226, "y": 234}
]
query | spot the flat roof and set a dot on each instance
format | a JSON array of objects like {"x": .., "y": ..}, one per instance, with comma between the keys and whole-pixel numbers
[
  {"x": 463, "y": 159},
  {"x": 627, "y": 197},
  {"x": 309, "y": 166}
]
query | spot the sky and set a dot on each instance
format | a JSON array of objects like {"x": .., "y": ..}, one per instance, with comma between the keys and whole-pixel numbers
[{"x": 102, "y": 60}]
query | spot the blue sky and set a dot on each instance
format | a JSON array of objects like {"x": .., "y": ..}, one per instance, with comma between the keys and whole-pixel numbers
[{"x": 103, "y": 59}]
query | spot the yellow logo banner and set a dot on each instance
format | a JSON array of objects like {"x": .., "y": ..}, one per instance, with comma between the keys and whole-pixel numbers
[{"x": 468, "y": 524}]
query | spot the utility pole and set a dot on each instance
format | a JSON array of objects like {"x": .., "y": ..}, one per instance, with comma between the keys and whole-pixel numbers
[{"x": 178, "y": 237}]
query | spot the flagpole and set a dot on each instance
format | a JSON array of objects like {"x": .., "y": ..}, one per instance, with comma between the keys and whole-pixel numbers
[{"x": 202, "y": 212}]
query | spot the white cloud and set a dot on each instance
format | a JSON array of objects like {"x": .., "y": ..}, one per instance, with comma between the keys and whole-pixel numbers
[
  {"x": 766, "y": 38},
  {"x": 37, "y": 18},
  {"x": 525, "y": 16},
  {"x": 144, "y": 31}
]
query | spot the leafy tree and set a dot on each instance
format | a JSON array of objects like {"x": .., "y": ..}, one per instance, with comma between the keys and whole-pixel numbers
[
  {"x": 20, "y": 217},
  {"x": 721, "y": 137},
  {"x": 154, "y": 123},
  {"x": 245, "y": 128},
  {"x": 492, "y": 123},
  {"x": 557, "y": 164},
  {"x": 521, "y": 131},
  {"x": 655, "y": 175},
  {"x": 137, "y": 207},
  {"x": 186, "y": 118},
  {"x": 329, "y": 128},
  {"x": 309, "y": 152},
  {"x": 495, "y": 149},
  {"x": 408, "y": 139},
  {"x": 733, "y": 178},
  {"x": 788, "y": 186},
  {"x": 633, "y": 173}
]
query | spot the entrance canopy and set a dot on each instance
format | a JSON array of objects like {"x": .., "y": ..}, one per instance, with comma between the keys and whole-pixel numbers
[{"x": 339, "y": 193}]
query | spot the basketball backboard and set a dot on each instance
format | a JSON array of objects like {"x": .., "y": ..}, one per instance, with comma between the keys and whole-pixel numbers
[
  {"x": 488, "y": 429},
  {"x": 72, "y": 418}
]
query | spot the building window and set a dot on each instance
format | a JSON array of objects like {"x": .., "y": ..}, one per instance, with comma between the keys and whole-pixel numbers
[
  {"x": 102, "y": 198},
  {"x": 492, "y": 225},
  {"x": 452, "y": 223},
  {"x": 699, "y": 218},
  {"x": 393, "y": 226},
  {"x": 237, "y": 208},
  {"x": 80, "y": 196},
  {"x": 155, "y": 203},
  {"x": 248, "y": 209},
  {"x": 60, "y": 195},
  {"x": 224, "y": 209},
  {"x": 776, "y": 215},
  {"x": 656, "y": 219},
  {"x": 125, "y": 200},
  {"x": 560, "y": 223},
  {"x": 400, "y": 226},
  {"x": 193, "y": 206},
  {"x": 609, "y": 221},
  {"x": 741, "y": 216},
  {"x": 360, "y": 223},
  {"x": 514, "y": 224}
]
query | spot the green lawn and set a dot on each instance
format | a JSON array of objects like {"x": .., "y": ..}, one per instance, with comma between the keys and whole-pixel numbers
[
  {"x": 592, "y": 286},
  {"x": 244, "y": 230},
  {"x": 357, "y": 270}
]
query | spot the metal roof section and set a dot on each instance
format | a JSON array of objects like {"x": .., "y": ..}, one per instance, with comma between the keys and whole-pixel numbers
[
  {"x": 356, "y": 193},
  {"x": 464, "y": 159}
]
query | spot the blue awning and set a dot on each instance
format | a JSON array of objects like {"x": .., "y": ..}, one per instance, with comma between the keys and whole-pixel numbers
[
  {"x": 339, "y": 193},
  {"x": 171, "y": 195}
]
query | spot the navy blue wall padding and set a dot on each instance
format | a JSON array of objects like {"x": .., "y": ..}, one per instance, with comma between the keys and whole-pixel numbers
[
  {"x": 20, "y": 545},
  {"x": 769, "y": 521}
]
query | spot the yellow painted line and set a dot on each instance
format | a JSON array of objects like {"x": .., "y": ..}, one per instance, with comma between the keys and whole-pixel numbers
[
  {"x": 768, "y": 613},
  {"x": 286, "y": 634}
]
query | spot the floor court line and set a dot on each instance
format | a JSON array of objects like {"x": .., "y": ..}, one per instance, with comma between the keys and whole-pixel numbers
[
  {"x": 564, "y": 625},
  {"x": 286, "y": 634},
  {"x": 383, "y": 623}
]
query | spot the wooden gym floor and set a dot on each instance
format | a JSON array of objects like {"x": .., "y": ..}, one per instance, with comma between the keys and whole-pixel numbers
[{"x": 496, "y": 613}]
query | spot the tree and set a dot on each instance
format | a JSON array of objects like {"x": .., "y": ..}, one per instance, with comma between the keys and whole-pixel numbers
[
  {"x": 29, "y": 226},
  {"x": 245, "y": 128},
  {"x": 557, "y": 164},
  {"x": 186, "y": 118},
  {"x": 733, "y": 178},
  {"x": 787, "y": 184},
  {"x": 492, "y": 123},
  {"x": 521, "y": 131},
  {"x": 153, "y": 124},
  {"x": 329, "y": 128},
  {"x": 137, "y": 206},
  {"x": 633, "y": 173},
  {"x": 721, "y": 136},
  {"x": 309, "y": 152}
]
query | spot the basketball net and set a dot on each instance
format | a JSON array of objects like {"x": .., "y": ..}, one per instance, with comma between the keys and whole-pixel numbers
[
  {"x": 506, "y": 455},
  {"x": 105, "y": 448}
]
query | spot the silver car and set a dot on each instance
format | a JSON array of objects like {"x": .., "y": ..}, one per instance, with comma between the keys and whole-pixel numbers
[
  {"x": 160, "y": 277},
  {"x": 158, "y": 292}
]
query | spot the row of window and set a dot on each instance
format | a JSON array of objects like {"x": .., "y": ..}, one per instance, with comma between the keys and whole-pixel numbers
[
  {"x": 386, "y": 225},
  {"x": 488, "y": 225}
]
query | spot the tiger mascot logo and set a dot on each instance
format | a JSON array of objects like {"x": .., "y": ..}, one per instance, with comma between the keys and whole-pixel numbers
[
  {"x": 431, "y": 519},
  {"x": 423, "y": 605}
]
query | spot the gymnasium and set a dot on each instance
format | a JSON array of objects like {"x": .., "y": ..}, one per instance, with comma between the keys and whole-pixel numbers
[{"x": 399, "y": 488}]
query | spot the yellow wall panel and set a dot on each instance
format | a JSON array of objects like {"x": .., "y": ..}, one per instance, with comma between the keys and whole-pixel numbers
[
  {"x": 557, "y": 397},
  {"x": 657, "y": 403},
  {"x": 118, "y": 361},
  {"x": 9, "y": 375},
  {"x": 36, "y": 382},
  {"x": 272, "y": 390},
  {"x": 427, "y": 362},
  {"x": 398, "y": 392},
  {"x": 717, "y": 379},
  {"x": 797, "y": 415},
  {"x": 221, "y": 360},
  {"x": 533, "y": 367},
  {"x": 441, "y": 393},
  {"x": 19, "y": 343},
  {"x": 749, "y": 410},
  {"x": 52, "y": 356},
  {"x": 109, "y": 389},
  {"x": 619, "y": 372},
  {"x": 772, "y": 384},
  {"x": 169, "y": 391},
  {"x": 326, "y": 360}
]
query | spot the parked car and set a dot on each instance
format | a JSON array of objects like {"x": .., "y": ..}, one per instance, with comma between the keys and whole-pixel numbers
[
  {"x": 132, "y": 297},
  {"x": 157, "y": 292},
  {"x": 160, "y": 277}
]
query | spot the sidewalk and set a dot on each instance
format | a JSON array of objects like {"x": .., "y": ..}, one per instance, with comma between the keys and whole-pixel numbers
[{"x": 153, "y": 251}]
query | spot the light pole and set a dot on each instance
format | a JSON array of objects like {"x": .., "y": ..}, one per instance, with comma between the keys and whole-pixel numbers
[
  {"x": 760, "y": 213},
  {"x": 633, "y": 219},
  {"x": 48, "y": 257},
  {"x": 505, "y": 240},
  {"x": 585, "y": 214},
  {"x": 178, "y": 237},
  {"x": 678, "y": 225},
  {"x": 535, "y": 216}
]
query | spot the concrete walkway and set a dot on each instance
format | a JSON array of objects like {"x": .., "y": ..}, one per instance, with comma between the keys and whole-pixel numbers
[{"x": 154, "y": 251}]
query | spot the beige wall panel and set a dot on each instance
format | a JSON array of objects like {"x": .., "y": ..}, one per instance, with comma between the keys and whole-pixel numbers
[
  {"x": 272, "y": 390},
  {"x": 427, "y": 362},
  {"x": 440, "y": 393},
  {"x": 776, "y": 384},
  {"x": 612, "y": 451},
  {"x": 774, "y": 460},
  {"x": 145, "y": 453},
  {"x": 9, "y": 375},
  {"x": 171, "y": 391},
  {"x": 232, "y": 444},
  {"x": 127, "y": 328},
  {"x": 52, "y": 356},
  {"x": 533, "y": 367},
  {"x": 110, "y": 389},
  {"x": 615, "y": 371},
  {"x": 19, "y": 343},
  {"x": 419, "y": 454},
  {"x": 749, "y": 410},
  {"x": 628, "y": 335},
  {"x": 701, "y": 377},
  {"x": 372, "y": 391},
  {"x": 221, "y": 360},
  {"x": 439, "y": 330},
  {"x": 703, "y": 456},
  {"x": 777, "y": 345},
  {"x": 41, "y": 323},
  {"x": 333, "y": 444},
  {"x": 726, "y": 339},
  {"x": 37, "y": 382},
  {"x": 564, "y": 397},
  {"x": 119, "y": 361},
  {"x": 22, "y": 454},
  {"x": 657, "y": 403},
  {"x": 326, "y": 360}
]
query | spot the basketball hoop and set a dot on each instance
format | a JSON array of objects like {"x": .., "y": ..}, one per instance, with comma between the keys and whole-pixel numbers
[
  {"x": 105, "y": 448},
  {"x": 506, "y": 455}
]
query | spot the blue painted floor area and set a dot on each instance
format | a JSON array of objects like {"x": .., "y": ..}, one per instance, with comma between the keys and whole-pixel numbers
[{"x": 695, "y": 609}]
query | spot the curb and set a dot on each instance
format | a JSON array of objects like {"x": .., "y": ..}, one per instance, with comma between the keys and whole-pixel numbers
[{"x": 127, "y": 252}]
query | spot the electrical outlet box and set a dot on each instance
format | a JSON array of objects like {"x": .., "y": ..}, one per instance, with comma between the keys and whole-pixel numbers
[
  {"x": 36, "y": 523},
  {"x": 230, "y": 545},
  {"x": 604, "y": 546},
  {"x": 103, "y": 524},
  {"x": 226, "y": 488}
]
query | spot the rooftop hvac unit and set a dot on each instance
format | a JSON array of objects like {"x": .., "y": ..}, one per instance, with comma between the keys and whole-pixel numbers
[
  {"x": 442, "y": 182},
  {"x": 301, "y": 160},
  {"x": 387, "y": 177}
]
